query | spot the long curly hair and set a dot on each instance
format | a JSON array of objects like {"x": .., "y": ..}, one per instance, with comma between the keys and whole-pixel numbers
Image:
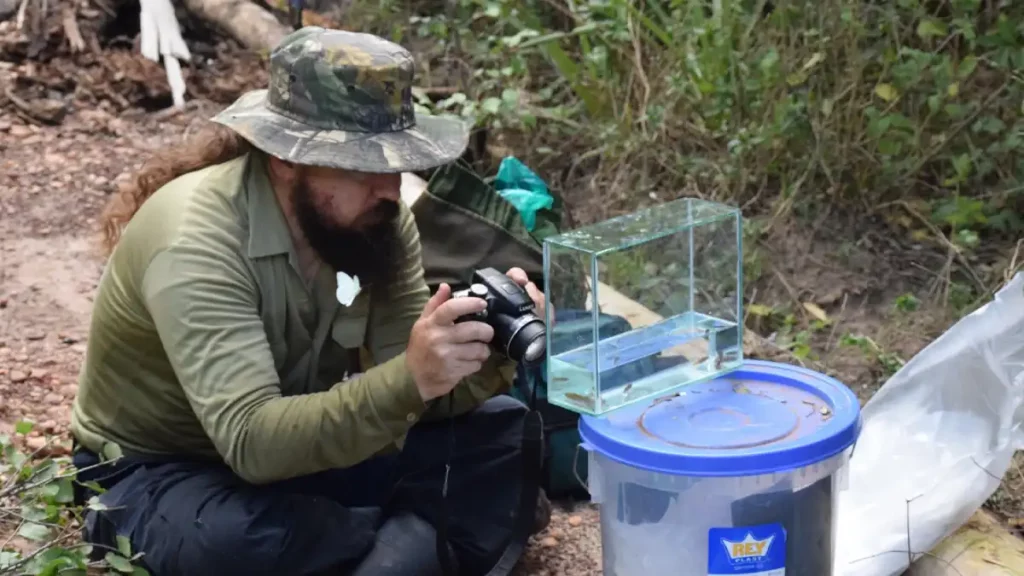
[{"x": 214, "y": 144}]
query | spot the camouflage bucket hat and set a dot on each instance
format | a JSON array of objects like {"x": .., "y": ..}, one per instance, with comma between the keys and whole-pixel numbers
[{"x": 344, "y": 100}]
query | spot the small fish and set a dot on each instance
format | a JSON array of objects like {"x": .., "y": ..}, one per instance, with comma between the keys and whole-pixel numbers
[
  {"x": 665, "y": 398},
  {"x": 826, "y": 413},
  {"x": 741, "y": 389},
  {"x": 627, "y": 388},
  {"x": 560, "y": 379},
  {"x": 585, "y": 401}
]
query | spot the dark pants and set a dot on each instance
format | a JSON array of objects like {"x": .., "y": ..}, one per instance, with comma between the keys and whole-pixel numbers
[{"x": 200, "y": 519}]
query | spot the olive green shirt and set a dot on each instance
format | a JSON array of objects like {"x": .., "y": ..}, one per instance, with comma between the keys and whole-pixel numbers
[{"x": 206, "y": 341}]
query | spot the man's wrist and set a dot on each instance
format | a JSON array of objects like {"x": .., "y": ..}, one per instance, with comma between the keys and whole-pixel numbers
[{"x": 400, "y": 399}]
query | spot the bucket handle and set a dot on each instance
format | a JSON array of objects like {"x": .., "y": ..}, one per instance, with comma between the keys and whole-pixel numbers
[{"x": 575, "y": 464}]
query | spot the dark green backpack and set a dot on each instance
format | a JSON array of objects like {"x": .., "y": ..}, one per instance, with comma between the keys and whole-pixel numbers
[{"x": 465, "y": 224}]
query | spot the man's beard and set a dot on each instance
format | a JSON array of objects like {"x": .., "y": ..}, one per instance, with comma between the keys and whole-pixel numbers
[{"x": 365, "y": 251}]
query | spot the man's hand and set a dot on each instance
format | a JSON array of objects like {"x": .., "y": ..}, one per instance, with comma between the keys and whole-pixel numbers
[
  {"x": 440, "y": 352},
  {"x": 520, "y": 277}
]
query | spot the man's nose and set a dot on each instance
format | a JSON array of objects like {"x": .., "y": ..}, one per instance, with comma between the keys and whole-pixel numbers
[{"x": 388, "y": 187}]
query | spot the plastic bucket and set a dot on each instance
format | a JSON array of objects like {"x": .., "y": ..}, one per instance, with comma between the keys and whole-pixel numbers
[{"x": 738, "y": 475}]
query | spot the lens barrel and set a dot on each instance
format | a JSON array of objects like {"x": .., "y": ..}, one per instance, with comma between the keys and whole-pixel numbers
[{"x": 522, "y": 337}]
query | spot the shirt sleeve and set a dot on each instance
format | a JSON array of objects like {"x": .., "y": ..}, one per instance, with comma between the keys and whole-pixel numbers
[
  {"x": 205, "y": 306},
  {"x": 395, "y": 310}
]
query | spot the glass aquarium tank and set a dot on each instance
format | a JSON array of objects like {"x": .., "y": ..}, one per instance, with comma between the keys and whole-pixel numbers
[{"x": 643, "y": 304}]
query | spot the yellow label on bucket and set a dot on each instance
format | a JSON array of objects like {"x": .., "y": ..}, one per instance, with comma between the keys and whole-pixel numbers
[{"x": 747, "y": 550}]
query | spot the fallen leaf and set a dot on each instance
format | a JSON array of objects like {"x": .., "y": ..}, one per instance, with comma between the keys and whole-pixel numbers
[{"x": 816, "y": 311}]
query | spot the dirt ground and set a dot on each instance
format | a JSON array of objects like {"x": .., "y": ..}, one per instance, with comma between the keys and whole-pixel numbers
[{"x": 55, "y": 178}]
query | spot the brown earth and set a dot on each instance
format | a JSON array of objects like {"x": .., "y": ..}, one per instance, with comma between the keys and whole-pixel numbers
[{"x": 55, "y": 177}]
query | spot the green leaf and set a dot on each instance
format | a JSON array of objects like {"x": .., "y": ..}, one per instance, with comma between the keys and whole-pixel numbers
[
  {"x": 966, "y": 67},
  {"x": 962, "y": 165},
  {"x": 491, "y": 105},
  {"x": 8, "y": 557},
  {"x": 119, "y": 563},
  {"x": 23, "y": 427},
  {"x": 66, "y": 492},
  {"x": 124, "y": 546},
  {"x": 33, "y": 531},
  {"x": 32, "y": 512},
  {"x": 95, "y": 504},
  {"x": 886, "y": 92},
  {"x": 930, "y": 28},
  {"x": 140, "y": 571},
  {"x": 60, "y": 565}
]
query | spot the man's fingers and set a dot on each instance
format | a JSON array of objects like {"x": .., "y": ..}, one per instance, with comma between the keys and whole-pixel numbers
[
  {"x": 471, "y": 352},
  {"x": 442, "y": 295},
  {"x": 519, "y": 275},
  {"x": 468, "y": 368},
  {"x": 472, "y": 332},
  {"x": 535, "y": 294},
  {"x": 450, "y": 310}
]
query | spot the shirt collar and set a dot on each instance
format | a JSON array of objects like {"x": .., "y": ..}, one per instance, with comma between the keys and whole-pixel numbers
[{"x": 268, "y": 230}]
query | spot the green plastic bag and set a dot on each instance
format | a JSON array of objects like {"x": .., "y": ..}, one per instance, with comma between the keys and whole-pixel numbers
[{"x": 523, "y": 189}]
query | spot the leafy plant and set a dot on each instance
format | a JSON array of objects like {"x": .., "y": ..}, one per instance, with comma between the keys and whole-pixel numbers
[
  {"x": 39, "y": 523},
  {"x": 889, "y": 362},
  {"x": 786, "y": 105}
]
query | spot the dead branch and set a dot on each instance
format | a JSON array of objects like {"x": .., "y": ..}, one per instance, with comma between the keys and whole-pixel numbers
[{"x": 254, "y": 27}]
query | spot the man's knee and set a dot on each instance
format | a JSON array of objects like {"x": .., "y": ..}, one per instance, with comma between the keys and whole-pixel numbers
[
  {"x": 207, "y": 522},
  {"x": 498, "y": 422},
  {"x": 503, "y": 404}
]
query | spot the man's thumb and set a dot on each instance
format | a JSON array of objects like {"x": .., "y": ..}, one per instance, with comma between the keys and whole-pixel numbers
[{"x": 443, "y": 293}]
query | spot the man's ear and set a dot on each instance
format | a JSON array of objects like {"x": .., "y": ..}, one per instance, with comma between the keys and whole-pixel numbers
[{"x": 282, "y": 171}]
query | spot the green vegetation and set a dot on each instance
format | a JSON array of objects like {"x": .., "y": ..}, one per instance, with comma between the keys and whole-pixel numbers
[
  {"x": 37, "y": 507},
  {"x": 906, "y": 114},
  {"x": 786, "y": 104}
]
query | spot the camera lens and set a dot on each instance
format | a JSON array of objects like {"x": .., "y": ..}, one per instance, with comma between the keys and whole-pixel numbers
[
  {"x": 535, "y": 350},
  {"x": 527, "y": 342}
]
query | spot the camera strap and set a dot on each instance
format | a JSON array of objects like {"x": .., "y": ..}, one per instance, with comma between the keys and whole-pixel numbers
[{"x": 532, "y": 458}]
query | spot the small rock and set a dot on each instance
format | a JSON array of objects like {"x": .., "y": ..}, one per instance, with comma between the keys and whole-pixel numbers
[
  {"x": 40, "y": 374},
  {"x": 21, "y": 358},
  {"x": 35, "y": 443},
  {"x": 556, "y": 533},
  {"x": 549, "y": 542},
  {"x": 575, "y": 521},
  {"x": 53, "y": 398},
  {"x": 19, "y": 131},
  {"x": 59, "y": 450},
  {"x": 18, "y": 376},
  {"x": 70, "y": 390},
  {"x": 3, "y": 303},
  {"x": 49, "y": 426}
]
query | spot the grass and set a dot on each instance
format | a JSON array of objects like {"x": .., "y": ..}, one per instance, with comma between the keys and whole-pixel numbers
[{"x": 907, "y": 111}]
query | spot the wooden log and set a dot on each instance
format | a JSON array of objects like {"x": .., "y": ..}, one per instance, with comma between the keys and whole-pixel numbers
[
  {"x": 247, "y": 22},
  {"x": 981, "y": 547}
]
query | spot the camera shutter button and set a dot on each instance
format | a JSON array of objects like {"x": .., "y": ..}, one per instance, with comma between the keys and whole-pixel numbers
[{"x": 478, "y": 290}]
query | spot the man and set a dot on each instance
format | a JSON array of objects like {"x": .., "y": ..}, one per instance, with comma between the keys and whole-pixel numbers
[{"x": 271, "y": 419}]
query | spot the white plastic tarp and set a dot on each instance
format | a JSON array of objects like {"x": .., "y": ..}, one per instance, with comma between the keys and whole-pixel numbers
[{"x": 937, "y": 440}]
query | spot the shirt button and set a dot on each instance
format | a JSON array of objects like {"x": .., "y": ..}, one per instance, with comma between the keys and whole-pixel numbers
[{"x": 411, "y": 417}]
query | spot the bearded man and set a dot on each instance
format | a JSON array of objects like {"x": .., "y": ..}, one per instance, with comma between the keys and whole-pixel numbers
[{"x": 262, "y": 422}]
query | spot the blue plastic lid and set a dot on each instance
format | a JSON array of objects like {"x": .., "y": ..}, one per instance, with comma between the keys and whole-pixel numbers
[{"x": 761, "y": 418}]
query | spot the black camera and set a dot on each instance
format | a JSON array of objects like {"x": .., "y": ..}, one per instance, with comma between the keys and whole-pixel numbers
[{"x": 518, "y": 332}]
